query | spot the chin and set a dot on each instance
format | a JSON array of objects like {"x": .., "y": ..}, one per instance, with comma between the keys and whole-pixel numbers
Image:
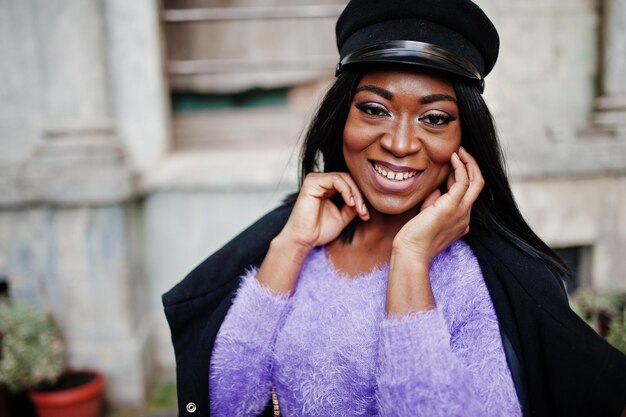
[{"x": 394, "y": 206}]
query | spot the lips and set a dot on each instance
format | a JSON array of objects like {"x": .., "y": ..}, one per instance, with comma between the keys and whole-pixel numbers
[{"x": 394, "y": 172}]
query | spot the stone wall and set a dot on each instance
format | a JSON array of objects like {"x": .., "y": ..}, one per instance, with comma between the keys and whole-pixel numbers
[
  {"x": 73, "y": 139},
  {"x": 102, "y": 209}
]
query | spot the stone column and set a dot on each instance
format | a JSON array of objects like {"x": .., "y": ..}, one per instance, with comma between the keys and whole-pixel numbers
[
  {"x": 611, "y": 105},
  {"x": 81, "y": 176},
  {"x": 79, "y": 159}
]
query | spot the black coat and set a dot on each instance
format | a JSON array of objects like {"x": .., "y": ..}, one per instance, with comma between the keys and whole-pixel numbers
[{"x": 560, "y": 366}]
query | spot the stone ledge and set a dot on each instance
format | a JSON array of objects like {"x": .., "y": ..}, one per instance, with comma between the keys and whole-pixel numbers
[
  {"x": 76, "y": 185},
  {"x": 70, "y": 171},
  {"x": 241, "y": 168},
  {"x": 572, "y": 159}
]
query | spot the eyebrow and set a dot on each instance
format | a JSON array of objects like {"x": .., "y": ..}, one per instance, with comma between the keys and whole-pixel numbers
[
  {"x": 432, "y": 98},
  {"x": 388, "y": 95}
]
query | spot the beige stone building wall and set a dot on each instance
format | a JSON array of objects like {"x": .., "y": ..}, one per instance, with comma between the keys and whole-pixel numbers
[{"x": 108, "y": 198}]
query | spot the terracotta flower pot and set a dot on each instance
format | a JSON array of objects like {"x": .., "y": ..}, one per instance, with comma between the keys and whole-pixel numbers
[{"x": 76, "y": 394}]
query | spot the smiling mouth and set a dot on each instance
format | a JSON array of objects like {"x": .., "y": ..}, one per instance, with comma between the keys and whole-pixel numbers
[{"x": 393, "y": 175}]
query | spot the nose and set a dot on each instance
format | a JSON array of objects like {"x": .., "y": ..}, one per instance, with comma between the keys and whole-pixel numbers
[{"x": 403, "y": 139}]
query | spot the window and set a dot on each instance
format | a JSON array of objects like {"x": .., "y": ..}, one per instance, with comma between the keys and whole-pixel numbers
[
  {"x": 577, "y": 258},
  {"x": 233, "y": 66}
]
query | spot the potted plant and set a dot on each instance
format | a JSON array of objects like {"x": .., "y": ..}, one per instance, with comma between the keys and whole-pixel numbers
[
  {"x": 32, "y": 359},
  {"x": 605, "y": 312}
]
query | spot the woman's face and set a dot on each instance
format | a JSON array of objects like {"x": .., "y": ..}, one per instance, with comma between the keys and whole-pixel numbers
[{"x": 401, "y": 131}]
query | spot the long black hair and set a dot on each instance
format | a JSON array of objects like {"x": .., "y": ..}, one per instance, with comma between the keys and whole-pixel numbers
[{"x": 494, "y": 211}]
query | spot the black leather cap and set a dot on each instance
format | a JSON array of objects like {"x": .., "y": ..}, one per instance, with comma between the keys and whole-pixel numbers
[{"x": 451, "y": 35}]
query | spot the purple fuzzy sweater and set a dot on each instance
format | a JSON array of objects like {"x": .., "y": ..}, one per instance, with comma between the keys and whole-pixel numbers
[{"x": 329, "y": 350}]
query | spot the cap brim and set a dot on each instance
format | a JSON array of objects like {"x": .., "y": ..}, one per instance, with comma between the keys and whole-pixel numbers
[{"x": 412, "y": 53}]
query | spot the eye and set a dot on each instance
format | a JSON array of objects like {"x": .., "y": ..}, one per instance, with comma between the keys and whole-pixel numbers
[
  {"x": 437, "y": 119},
  {"x": 372, "y": 109}
]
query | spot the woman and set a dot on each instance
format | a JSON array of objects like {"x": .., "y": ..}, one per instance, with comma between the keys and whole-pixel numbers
[{"x": 404, "y": 281}]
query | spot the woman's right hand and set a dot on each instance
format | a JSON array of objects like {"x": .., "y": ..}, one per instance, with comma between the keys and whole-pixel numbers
[{"x": 315, "y": 219}]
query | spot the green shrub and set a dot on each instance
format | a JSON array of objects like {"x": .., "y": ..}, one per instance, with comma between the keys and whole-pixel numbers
[
  {"x": 617, "y": 333},
  {"x": 31, "y": 348},
  {"x": 605, "y": 312}
]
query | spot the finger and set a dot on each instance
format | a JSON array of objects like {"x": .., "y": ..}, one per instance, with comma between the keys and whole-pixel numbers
[
  {"x": 325, "y": 185},
  {"x": 330, "y": 184},
  {"x": 360, "y": 205},
  {"x": 343, "y": 186},
  {"x": 450, "y": 180},
  {"x": 475, "y": 176},
  {"x": 461, "y": 180},
  {"x": 316, "y": 187},
  {"x": 347, "y": 183},
  {"x": 430, "y": 200},
  {"x": 347, "y": 213}
]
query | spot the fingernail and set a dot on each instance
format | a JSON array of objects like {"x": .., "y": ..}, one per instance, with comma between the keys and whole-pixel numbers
[{"x": 351, "y": 200}]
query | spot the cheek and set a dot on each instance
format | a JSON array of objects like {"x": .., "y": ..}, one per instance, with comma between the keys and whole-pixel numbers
[
  {"x": 357, "y": 137},
  {"x": 352, "y": 141},
  {"x": 443, "y": 167},
  {"x": 441, "y": 151}
]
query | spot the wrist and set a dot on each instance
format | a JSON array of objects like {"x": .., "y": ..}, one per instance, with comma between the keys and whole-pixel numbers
[
  {"x": 408, "y": 288},
  {"x": 405, "y": 261},
  {"x": 281, "y": 266},
  {"x": 287, "y": 245},
  {"x": 407, "y": 254}
]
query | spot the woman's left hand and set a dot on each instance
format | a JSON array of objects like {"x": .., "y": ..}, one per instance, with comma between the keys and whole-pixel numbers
[{"x": 443, "y": 218}]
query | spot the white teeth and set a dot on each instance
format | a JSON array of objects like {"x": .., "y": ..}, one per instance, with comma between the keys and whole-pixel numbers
[{"x": 394, "y": 176}]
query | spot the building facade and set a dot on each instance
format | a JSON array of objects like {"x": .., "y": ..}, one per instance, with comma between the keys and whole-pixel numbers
[{"x": 137, "y": 137}]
